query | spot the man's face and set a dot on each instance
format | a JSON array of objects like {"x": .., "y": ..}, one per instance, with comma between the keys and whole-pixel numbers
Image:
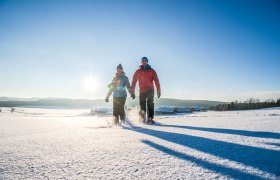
[{"x": 144, "y": 62}]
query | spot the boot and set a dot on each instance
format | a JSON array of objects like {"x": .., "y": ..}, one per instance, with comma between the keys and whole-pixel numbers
[
  {"x": 116, "y": 121},
  {"x": 150, "y": 121},
  {"x": 142, "y": 116}
]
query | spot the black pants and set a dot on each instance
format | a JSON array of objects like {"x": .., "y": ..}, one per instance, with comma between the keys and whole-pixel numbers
[
  {"x": 118, "y": 107},
  {"x": 147, "y": 98}
]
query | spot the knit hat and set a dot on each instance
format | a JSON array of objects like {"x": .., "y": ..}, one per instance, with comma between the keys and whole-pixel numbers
[
  {"x": 120, "y": 66},
  {"x": 144, "y": 59}
]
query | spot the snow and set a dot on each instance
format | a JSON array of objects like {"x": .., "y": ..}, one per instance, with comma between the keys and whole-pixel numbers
[{"x": 70, "y": 144}]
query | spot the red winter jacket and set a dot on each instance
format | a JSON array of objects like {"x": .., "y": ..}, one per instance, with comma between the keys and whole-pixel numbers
[{"x": 145, "y": 76}]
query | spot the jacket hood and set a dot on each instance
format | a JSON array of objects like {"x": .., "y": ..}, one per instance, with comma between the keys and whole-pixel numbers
[
  {"x": 148, "y": 67},
  {"x": 122, "y": 74}
]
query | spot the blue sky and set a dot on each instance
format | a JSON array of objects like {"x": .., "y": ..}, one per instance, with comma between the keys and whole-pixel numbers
[{"x": 215, "y": 50}]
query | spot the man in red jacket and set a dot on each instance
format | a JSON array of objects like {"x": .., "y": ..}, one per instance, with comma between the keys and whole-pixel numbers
[{"x": 146, "y": 76}]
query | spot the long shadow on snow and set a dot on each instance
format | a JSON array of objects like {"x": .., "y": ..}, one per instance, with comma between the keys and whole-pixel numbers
[
  {"x": 229, "y": 131},
  {"x": 233, "y": 173},
  {"x": 263, "y": 159}
]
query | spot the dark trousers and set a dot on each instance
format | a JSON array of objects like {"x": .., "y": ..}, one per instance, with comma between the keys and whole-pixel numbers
[
  {"x": 118, "y": 108},
  {"x": 147, "y": 98}
]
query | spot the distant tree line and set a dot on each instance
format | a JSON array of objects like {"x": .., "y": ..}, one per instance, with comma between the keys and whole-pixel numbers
[{"x": 246, "y": 105}]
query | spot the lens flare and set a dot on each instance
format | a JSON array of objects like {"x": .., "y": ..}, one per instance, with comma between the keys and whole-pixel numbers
[{"x": 90, "y": 83}]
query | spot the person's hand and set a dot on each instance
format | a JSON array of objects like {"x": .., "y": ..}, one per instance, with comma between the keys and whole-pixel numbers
[
  {"x": 158, "y": 94},
  {"x": 132, "y": 95},
  {"x": 107, "y": 99}
]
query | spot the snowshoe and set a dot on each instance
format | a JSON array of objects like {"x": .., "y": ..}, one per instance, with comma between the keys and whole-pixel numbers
[
  {"x": 142, "y": 118},
  {"x": 116, "y": 122},
  {"x": 150, "y": 121}
]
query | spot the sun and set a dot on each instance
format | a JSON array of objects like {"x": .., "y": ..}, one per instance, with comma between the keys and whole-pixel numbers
[{"x": 90, "y": 83}]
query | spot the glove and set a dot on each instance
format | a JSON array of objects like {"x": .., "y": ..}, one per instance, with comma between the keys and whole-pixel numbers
[
  {"x": 158, "y": 94},
  {"x": 133, "y": 95},
  {"x": 107, "y": 99}
]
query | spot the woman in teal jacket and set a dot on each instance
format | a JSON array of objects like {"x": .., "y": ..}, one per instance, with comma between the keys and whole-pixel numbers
[{"x": 118, "y": 87}]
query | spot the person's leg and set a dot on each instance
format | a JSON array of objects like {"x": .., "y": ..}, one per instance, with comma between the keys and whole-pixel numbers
[
  {"x": 122, "y": 112},
  {"x": 116, "y": 110},
  {"x": 142, "y": 101},
  {"x": 150, "y": 104}
]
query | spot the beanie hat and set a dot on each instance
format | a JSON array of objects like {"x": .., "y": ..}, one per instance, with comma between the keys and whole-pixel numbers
[
  {"x": 144, "y": 59},
  {"x": 120, "y": 66}
]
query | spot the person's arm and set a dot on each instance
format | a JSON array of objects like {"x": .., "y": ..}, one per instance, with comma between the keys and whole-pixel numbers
[
  {"x": 111, "y": 89},
  {"x": 127, "y": 84},
  {"x": 155, "y": 78},
  {"x": 109, "y": 92},
  {"x": 134, "y": 81}
]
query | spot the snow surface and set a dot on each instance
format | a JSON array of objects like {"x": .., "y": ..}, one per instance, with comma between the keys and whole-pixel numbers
[{"x": 70, "y": 144}]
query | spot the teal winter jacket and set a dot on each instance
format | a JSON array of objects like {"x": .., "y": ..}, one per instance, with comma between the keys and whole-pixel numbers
[{"x": 119, "y": 85}]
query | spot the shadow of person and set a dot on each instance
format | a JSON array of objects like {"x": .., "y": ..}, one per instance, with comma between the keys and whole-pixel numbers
[
  {"x": 227, "y": 171},
  {"x": 258, "y": 134},
  {"x": 263, "y": 159}
]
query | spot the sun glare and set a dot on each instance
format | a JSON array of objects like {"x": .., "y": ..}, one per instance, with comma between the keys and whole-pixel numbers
[{"x": 90, "y": 83}]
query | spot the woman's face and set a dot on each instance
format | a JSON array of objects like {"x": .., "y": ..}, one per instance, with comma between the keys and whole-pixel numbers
[{"x": 119, "y": 70}]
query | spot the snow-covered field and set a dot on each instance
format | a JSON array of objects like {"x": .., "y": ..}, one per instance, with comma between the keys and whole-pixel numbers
[{"x": 69, "y": 144}]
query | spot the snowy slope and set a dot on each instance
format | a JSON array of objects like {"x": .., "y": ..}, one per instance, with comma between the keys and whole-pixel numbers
[{"x": 54, "y": 144}]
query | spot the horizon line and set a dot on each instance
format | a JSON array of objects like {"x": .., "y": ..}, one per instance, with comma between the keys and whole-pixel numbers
[{"x": 68, "y": 98}]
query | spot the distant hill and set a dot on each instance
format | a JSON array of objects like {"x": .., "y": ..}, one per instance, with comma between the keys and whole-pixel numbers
[
  {"x": 84, "y": 103},
  {"x": 17, "y": 99}
]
